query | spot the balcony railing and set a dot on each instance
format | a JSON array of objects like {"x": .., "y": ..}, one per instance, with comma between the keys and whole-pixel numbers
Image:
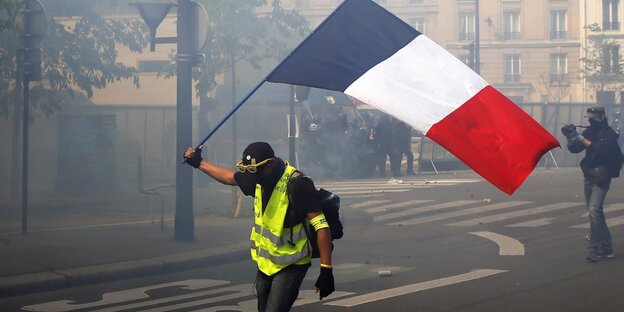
[
  {"x": 558, "y": 78},
  {"x": 511, "y": 35},
  {"x": 559, "y": 34},
  {"x": 466, "y": 36},
  {"x": 512, "y": 77},
  {"x": 611, "y": 25}
]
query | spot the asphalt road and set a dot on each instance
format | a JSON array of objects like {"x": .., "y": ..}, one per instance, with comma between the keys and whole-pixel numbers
[{"x": 437, "y": 245}]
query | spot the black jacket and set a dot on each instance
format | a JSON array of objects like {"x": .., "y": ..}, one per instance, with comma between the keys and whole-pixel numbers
[{"x": 603, "y": 151}]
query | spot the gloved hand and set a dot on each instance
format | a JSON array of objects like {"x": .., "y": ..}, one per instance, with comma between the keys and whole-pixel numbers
[
  {"x": 325, "y": 283},
  {"x": 193, "y": 157},
  {"x": 569, "y": 131}
]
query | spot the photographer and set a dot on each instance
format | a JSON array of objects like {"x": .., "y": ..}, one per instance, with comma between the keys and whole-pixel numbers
[{"x": 602, "y": 161}]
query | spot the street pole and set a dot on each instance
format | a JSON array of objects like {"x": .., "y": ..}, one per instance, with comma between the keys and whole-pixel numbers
[
  {"x": 292, "y": 128},
  {"x": 477, "y": 48},
  {"x": 26, "y": 111},
  {"x": 234, "y": 124},
  {"x": 184, "y": 219}
]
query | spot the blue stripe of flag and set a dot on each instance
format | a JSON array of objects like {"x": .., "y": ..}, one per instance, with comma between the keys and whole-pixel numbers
[{"x": 357, "y": 36}]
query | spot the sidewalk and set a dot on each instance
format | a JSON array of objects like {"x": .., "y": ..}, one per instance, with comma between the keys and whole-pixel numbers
[{"x": 77, "y": 241}]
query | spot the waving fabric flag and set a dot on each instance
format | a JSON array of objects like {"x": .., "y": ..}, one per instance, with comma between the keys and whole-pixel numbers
[{"x": 366, "y": 52}]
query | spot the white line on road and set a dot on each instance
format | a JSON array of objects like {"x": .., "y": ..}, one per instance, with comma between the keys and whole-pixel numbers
[
  {"x": 413, "y": 288},
  {"x": 515, "y": 214},
  {"x": 609, "y": 208},
  {"x": 369, "y": 203},
  {"x": 533, "y": 223},
  {"x": 463, "y": 212},
  {"x": 611, "y": 222},
  {"x": 418, "y": 210},
  {"x": 366, "y": 192},
  {"x": 398, "y": 205},
  {"x": 507, "y": 246}
]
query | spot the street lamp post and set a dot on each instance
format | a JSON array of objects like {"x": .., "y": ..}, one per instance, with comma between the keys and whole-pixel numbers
[{"x": 191, "y": 17}]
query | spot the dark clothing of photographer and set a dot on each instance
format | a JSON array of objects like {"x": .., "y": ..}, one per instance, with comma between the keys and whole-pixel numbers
[{"x": 602, "y": 162}]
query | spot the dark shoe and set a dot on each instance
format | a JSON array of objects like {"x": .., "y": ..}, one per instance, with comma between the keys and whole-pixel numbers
[
  {"x": 591, "y": 259},
  {"x": 411, "y": 173}
]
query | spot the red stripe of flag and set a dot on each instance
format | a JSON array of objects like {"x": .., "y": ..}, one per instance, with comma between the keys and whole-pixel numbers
[{"x": 495, "y": 137}]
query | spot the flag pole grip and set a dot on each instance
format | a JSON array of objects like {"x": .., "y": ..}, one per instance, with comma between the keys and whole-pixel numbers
[{"x": 234, "y": 109}]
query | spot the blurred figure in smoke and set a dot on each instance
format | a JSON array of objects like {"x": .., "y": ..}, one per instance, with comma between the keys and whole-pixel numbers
[
  {"x": 312, "y": 144},
  {"x": 403, "y": 145},
  {"x": 383, "y": 141},
  {"x": 280, "y": 244}
]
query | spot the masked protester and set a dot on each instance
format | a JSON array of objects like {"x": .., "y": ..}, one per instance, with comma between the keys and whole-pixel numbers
[
  {"x": 602, "y": 162},
  {"x": 280, "y": 244}
]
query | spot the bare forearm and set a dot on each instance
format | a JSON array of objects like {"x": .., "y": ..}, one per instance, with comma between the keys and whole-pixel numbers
[
  {"x": 221, "y": 174},
  {"x": 324, "y": 245}
]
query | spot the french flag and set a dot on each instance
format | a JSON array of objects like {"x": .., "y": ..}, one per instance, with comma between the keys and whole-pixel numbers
[{"x": 368, "y": 53}]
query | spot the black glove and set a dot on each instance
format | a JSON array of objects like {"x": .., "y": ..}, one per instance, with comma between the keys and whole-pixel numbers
[
  {"x": 569, "y": 131},
  {"x": 196, "y": 159},
  {"x": 325, "y": 283}
]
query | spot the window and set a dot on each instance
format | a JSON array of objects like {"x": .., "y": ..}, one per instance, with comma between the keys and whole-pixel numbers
[
  {"x": 466, "y": 26},
  {"x": 512, "y": 67},
  {"x": 610, "y": 20},
  {"x": 511, "y": 25},
  {"x": 558, "y": 24},
  {"x": 152, "y": 66},
  {"x": 558, "y": 68},
  {"x": 418, "y": 23},
  {"x": 611, "y": 59}
]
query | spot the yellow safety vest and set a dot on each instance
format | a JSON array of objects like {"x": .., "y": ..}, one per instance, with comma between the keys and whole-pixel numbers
[{"x": 271, "y": 244}]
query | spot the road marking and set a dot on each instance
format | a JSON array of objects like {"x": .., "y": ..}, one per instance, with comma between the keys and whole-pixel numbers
[
  {"x": 398, "y": 205},
  {"x": 359, "y": 196},
  {"x": 371, "y": 191},
  {"x": 122, "y": 296},
  {"x": 609, "y": 208},
  {"x": 413, "y": 288},
  {"x": 418, "y": 210},
  {"x": 611, "y": 222},
  {"x": 507, "y": 246},
  {"x": 369, "y": 203},
  {"x": 533, "y": 223},
  {"x": 463, "y": 212},
  {"x": 515, "y": 214}
]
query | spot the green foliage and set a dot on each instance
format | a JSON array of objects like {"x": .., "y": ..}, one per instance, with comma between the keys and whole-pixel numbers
[
  {"x": 240, "y": 31},
  {"x": 601, "y": 72},
  {"x": 79, "y": 53}
]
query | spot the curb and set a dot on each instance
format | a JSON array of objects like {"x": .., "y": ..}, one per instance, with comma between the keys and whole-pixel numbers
[{"x": 64, "y": 278}]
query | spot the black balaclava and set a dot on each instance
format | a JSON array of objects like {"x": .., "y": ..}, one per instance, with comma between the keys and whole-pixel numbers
[
  {"x": 255, "y": 153},
  {"x": 597, "y": 124}
]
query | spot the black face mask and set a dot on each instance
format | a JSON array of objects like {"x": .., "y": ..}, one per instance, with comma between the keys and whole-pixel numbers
[
  {"x": 248, "y": 183},
  {"x": 595, "y": 123}
]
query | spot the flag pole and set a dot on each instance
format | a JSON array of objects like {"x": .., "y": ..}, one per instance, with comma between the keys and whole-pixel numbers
[{"x": 235, "y": 108}]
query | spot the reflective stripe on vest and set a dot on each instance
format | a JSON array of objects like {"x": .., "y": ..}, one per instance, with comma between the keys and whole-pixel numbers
[{"x": 271, "y": 243}]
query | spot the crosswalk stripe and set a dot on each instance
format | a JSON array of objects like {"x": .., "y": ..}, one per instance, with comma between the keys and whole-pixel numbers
[
  {"x": 611, "y": 222},
  {"x": 533, "y": 223},
  {"x": 398, "y": 205},
  {"x": 359, "y": 195},
  {"x": 418, "y": 210},
  {"x": 370, "y": 191},
  {"x": 515, "y": 214},
  {"x": 463, "y": 212},
  {"x": 609, "y": 208},
  {"x": 369, "y": 203},
  {"x": 373, "y": 187}
]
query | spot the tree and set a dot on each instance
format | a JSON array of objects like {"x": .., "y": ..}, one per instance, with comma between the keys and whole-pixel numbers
[
  {"x": 602, "y": 65},
  {"x": 238, "y": 33},
  {"x": 553, "y": 91},
  {"x": 79, "y": 54}
]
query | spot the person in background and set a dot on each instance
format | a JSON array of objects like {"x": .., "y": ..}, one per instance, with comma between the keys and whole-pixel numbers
[
  {"x": 280, "y": 243},
  {"x": 602, "y": 162}
]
